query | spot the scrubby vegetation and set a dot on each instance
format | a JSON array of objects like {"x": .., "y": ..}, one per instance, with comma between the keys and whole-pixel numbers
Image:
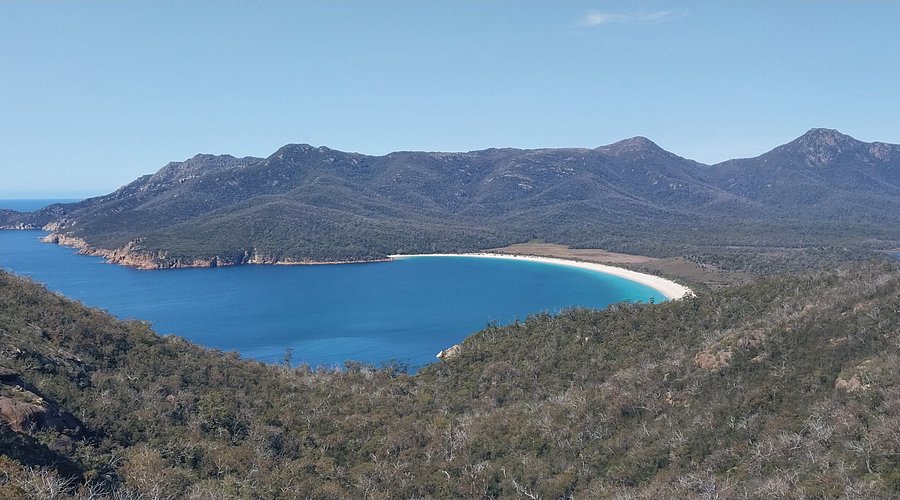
[{"x": 785, "y": 387}]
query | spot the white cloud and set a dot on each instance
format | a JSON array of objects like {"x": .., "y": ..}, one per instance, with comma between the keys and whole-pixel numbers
[{"x": 596, "y": 18}]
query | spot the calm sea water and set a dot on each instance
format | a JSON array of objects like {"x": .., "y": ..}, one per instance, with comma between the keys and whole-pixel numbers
[
  {"x": 406, "y": 310},
  {"x": 29, "y": 205}
]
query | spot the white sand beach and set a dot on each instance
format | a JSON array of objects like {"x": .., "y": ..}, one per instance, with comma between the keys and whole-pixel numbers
[{"x": 670, "y": 289}]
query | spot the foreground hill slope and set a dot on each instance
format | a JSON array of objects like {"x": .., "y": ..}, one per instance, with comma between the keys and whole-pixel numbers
[
  {"x": 785, "y": 387},
  {"x": 304, "y": 203}
]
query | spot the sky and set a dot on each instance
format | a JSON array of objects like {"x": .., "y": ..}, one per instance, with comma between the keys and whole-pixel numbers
[{"x": 95, "y": 93}]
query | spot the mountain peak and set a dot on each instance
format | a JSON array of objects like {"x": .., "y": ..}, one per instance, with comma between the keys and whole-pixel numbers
[
  {"x": 198, "y": 165},
  {"x": 827, "y": 147},
  {"x": 825, "y": 137},
  {"x": 302, "y": 150},
  {"x": 295, "y": 147},
  {"x": 637, "y": 144},
  {"x": 821, "y": 146}
]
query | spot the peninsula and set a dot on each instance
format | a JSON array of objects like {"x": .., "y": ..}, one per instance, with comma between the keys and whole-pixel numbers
[{"x": 785, "y": 209}]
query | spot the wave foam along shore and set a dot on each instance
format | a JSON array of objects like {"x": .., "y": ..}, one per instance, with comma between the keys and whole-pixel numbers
[{"x": 671, "y": 289}]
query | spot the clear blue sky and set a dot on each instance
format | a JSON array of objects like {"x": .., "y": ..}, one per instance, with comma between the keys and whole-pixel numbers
[{"x": 95, "y": 93}]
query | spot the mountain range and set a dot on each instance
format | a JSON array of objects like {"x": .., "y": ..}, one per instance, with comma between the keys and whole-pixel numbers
[{"x": 315, "y": 204}]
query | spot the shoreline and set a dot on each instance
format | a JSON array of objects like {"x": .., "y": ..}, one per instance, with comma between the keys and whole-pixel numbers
[
  {"x": 127, "y": 257},
  {"x": 670, "y": 289}
]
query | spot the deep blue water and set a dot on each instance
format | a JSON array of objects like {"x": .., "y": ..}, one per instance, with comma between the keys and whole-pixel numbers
[
  {"x": 30, "y": 205},
  {"x": 406, "y": 310}
]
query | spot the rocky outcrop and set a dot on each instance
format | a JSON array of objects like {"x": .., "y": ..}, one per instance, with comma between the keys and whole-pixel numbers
[
  {"x": 21, "y": 416},
  {"x": 852, "y": 384},
  {"x": 24, "y": 410},
  {"x": 131, "y": 255},
  {"x": 54, "y": 226},
  {"x": 712, "y": 360},
  {"x": 450, "y": 352}
]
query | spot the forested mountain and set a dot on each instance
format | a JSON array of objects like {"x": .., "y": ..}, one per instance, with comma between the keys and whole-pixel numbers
[
  {"x": 824, "y": 172},
  {"x": 304, "y": 203},
  {"x": 797, "y": 376}
]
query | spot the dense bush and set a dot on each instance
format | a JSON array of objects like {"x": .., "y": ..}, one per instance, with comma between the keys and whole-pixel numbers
[{"x": 785, "y": 387}]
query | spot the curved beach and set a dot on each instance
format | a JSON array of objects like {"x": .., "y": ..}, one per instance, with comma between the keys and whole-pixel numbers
[{"x": 671, "y": 289}]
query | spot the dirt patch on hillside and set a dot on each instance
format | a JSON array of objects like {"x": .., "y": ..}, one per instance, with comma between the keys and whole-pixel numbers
[{"x": 678, "y": 268}]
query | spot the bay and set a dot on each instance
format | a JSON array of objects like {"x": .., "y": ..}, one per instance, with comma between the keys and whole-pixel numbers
[{"x": 406, "y": 310}]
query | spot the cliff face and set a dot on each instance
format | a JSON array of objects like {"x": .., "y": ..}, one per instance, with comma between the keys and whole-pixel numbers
[
  {"x": 127, "y": 255},
  {"x": 132, "y": 255}
]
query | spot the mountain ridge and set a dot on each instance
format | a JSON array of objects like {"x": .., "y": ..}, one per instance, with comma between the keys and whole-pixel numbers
[{"x": 313, "y": 203}]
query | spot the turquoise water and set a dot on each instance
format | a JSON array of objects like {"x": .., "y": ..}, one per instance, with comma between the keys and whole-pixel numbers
[
  {"x": 30, "y": 205},
  {"x": 406, "y": 310}
]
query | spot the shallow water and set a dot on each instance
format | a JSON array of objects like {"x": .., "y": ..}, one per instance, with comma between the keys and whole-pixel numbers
[{"x": 406, "y": 310}]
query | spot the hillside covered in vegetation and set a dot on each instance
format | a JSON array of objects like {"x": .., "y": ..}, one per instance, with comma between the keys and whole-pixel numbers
[
  {"x": 824, "y": 196},
  {"x": 784, "y": 387}
]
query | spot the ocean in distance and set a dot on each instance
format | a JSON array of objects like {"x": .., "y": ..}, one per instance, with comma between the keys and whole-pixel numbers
[
  {"x": 30, "y": 205},
  {"x": 406, "y": 310}
]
